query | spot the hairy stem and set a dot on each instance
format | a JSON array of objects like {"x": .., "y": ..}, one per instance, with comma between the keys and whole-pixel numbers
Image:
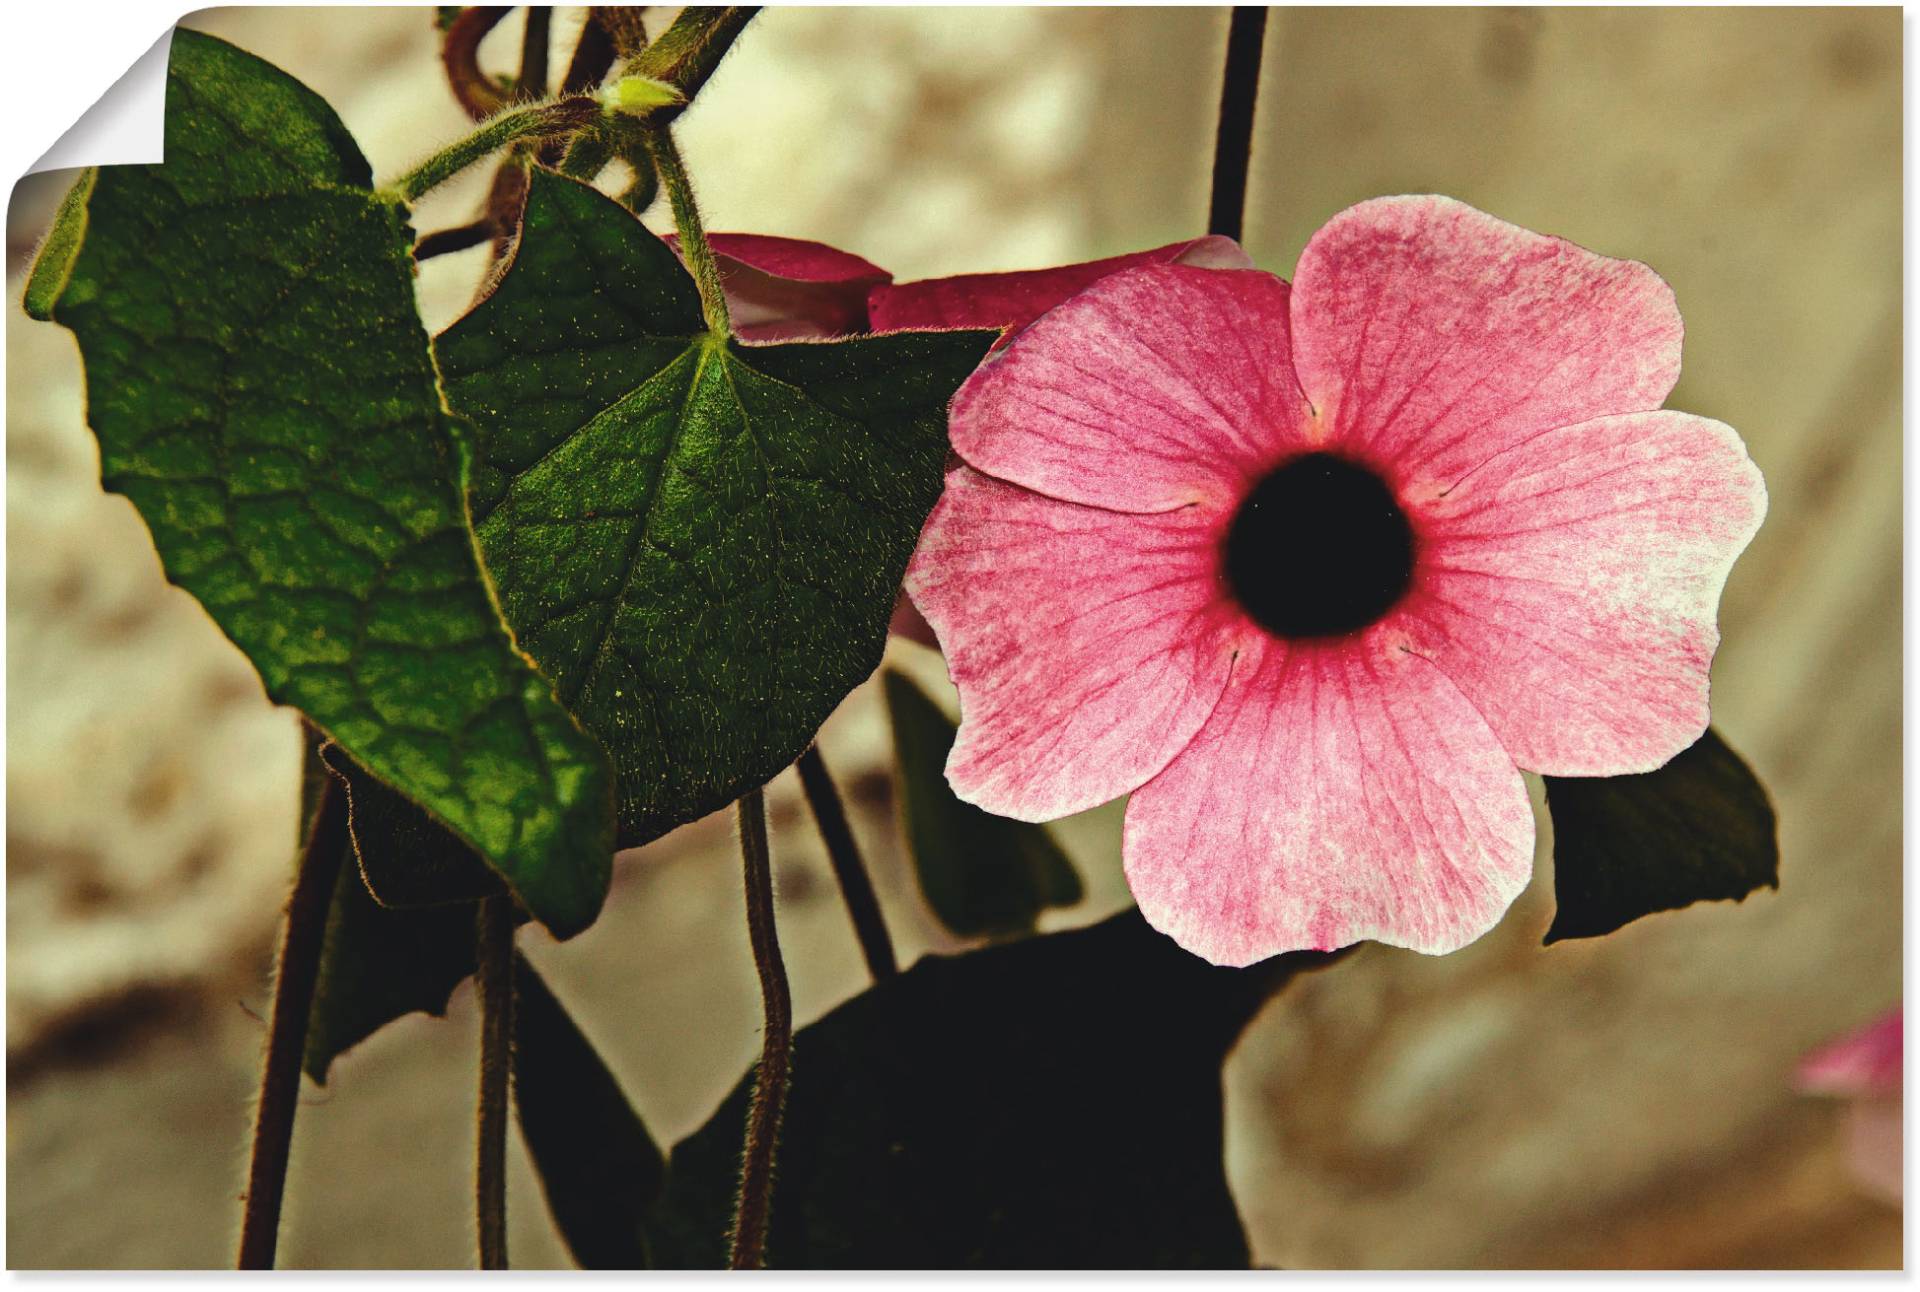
[
  {"x": 748, "y": 1242},
  {"x": 301, "y": 943},
  {"x": 1233, "y": 140},
  {"x": 693, "y": 235},
  {"x": 478, "y": 93},
  {"x": 538, "y": 120},
  {"x": 689, "y": 50},
  {"x": 493, "y": 983},
  {"x": 830, "y": 814}
]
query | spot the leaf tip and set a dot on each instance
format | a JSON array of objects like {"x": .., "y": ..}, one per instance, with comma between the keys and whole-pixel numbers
[{"x": 53, "y": 264}]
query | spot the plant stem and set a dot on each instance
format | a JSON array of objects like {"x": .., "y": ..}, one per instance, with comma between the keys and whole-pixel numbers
[
  {"x": 587, "y": 154},
  {"x": 1233, "y": 140},
  {"x": 689, "y": 50},
  {"x": 493, "y": 984},
  {"x": 830, "y": 814},
  {"x": 533, "y": 52},
  {"x": 561, "y": 116},
  {"x": 748, "y": 1241},
  {"x": 301, "y": 943},
  {"x": 592, "y": 57},
  {"x": 626, "y": 25},
  {"x": 478, "y": 93},
  {"x": 444, "y": 241},
  {"x": 693, "y": 235}
]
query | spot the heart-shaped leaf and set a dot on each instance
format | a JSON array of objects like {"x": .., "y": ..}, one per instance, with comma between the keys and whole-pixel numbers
[
  {"x": 1048, "y": 1103},
  {"x": 983, "y": 875},
  {"x": 263, "y": 393},
  {"x": 1698, "y": 829},
  {"x": 700, "y": 541}
]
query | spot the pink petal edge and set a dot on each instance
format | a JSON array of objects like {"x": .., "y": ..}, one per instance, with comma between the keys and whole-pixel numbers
[
  {"x": 1342, "y": 790},
  {"x": 1865, "y": 1062},
  {"x": 1088, "y": 646},
  {"x": 1436, "y": 335},
  {"x": 1570, "y": 586},
  {"x": 1158, "y": 387},
  {"x": 1013, "y": 300},
  {"x": 789, "y": 289}
]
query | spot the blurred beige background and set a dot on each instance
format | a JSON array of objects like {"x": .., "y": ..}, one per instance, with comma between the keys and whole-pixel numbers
[{"x": 1624, "y": 1102}]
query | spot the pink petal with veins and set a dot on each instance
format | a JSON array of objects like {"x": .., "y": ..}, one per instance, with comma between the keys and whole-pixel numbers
[
  {"x": 1156, "y": 388},
  {"x": 1439, "y": 336},
  {"x": 1569, "y": 586},
  {"x": 1088, "y": 645},
  {"x": 1342, "y": 790}
]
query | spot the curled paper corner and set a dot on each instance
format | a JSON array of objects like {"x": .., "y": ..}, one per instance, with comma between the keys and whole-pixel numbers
[{"x": 126, "y": 125}]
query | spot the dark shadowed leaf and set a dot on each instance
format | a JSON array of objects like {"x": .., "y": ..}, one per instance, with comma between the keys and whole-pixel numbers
[
  {"x": 1053, "y": 1103},
  {"x": 598, "y": 1165},
  {"x": 983, "y": 875},
  {"x": 1698, "y": 829},
  {"x": 700, "y": 542},
  {"x": 263, "y": 393},
  {"x": 379, "y": 964}
]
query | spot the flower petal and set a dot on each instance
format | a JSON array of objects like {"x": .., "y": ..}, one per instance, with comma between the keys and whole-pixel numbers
[
  {"x": 1868, "y": 1061},
  {"x": 1016, "y": 299},
  {"x": 788, "y": 289},
  {"x": 1569, "y": 587},
  {"x": 1341, "y": 790},
  {"x": 1158, "y": 387},
  {"x": 1436, "y": 335},
  {"x": 1088, "y": 645}
]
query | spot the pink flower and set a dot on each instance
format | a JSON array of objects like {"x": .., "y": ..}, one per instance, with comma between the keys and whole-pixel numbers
[
  {"x": 1865, "y": 1068},
  {"x": 1312, "y": 572}
]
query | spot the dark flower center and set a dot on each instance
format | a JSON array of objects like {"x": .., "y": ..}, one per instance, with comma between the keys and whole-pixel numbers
[{"x": 1319, "y": 548}]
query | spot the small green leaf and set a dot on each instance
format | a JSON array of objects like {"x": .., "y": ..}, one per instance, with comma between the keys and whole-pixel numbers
[
  {"x": 1048, "y": 1103},
  {"x": 640, "y": 94},
  {"x": 699, "y": 541},
  {"x": 984, "y": 875},
  {"x": 55, "y": 261},
  {"x": 379, "y": 964},
  {"x": 689, "y": 50},
  {"x": 1698, "y": 829},
  {"x": 598, "y": 1165},
  {"x": 263, "y": 393}
]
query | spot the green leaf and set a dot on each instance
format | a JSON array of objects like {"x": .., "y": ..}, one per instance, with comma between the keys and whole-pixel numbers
[
  {"x": 1048, "y": 1103},
  {"x": 55, "y": 259},
  {"x": 1698, "y": 829},
  {"x": 405, "y": 858},
  {"x": 379, "y": 964},
  {"x": 699, "y": 541},
  {"x": 598, "y": 1165},
  {"x": 263, "y": 393},
  {"x": 984, "y": 875}
]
